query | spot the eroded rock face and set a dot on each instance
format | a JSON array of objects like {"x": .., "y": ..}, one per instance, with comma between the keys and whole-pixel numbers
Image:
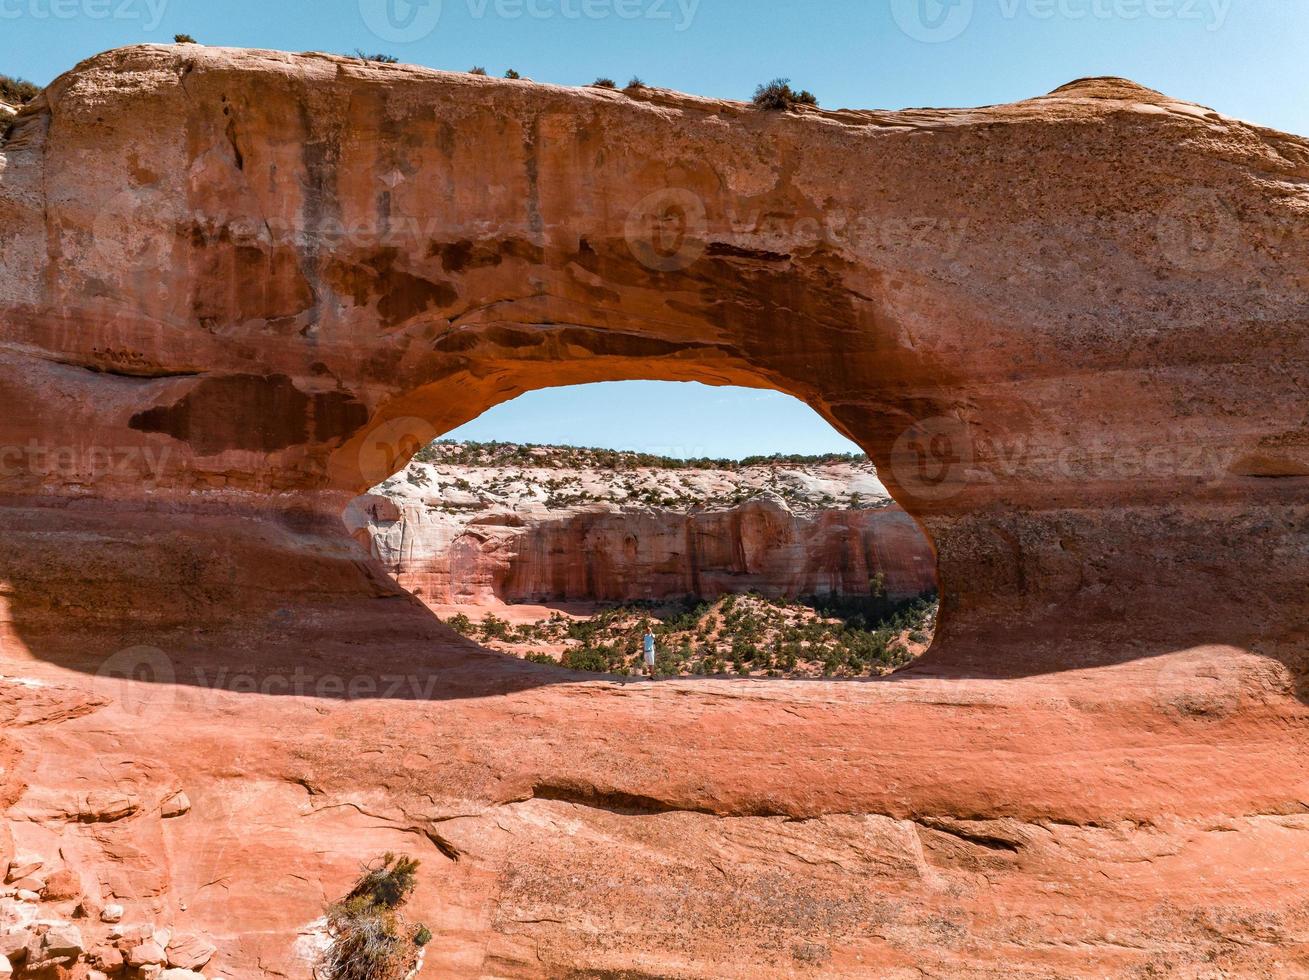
[
  {"x": 456, "y": 534},
  {"x": 239, "y": 288}
]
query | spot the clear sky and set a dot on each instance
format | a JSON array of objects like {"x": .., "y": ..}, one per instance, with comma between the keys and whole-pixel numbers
[
  {"x": 1246, "y": 58},
  {"x": 663, "y": 417}
]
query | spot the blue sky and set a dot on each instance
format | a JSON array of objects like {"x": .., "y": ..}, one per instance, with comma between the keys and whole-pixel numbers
[
  {"x": 681, "y": 419},
  {"x": 1247, "y": 58}
]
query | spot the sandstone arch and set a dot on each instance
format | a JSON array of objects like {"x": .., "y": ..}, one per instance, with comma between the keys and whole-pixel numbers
[
  {"x": 1008, "y": 297},
  {"x": 276, "y": 256}
]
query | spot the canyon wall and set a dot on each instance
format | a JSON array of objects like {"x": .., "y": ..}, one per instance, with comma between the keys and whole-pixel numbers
[
  {"x": 564, "y": 526},
  {"x": 605, "y": 553},
  {"x": 240, "y": 288}
]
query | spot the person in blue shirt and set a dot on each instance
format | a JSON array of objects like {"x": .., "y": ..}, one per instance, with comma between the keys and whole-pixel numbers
[{"x": 649, "y": 646}]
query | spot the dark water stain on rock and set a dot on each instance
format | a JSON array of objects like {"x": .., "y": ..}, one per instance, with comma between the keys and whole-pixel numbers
[
  {"x": 400, "y": 295},
  {"x": 253, "y": 412}
]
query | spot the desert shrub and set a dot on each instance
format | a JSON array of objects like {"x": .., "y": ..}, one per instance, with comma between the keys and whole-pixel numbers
[
  {"x": 17, "y": 91},
  {"x": 477, "y": 70},
  {"x": 387, "y": 882},
  {"x": 495, "y": 628},
  {"x": 461, "y": 623},
  {"x": 604, "y": 83},
  {"x": 585, "y": 658},
  {"x": 635, "y": 85},
  {"x": 579, "y": 457},
  {"x": 184, "y": 39},
  {"x": 370, "y": 938},
  {"x": 778, "y": 95},
  {"x": 541, "y": 658},
  {"x": 381, "y": 59},
  {"x": 512, "y": 74}
]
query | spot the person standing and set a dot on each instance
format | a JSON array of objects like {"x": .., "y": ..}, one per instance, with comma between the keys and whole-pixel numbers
[{"x": 649, "y": 644}]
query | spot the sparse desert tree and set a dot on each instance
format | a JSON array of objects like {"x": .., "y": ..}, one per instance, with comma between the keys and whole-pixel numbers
[
  {"x": 17, "y": 91},
  {"x": 370, "y": 937},
  {"x": 777, "y": 96}
]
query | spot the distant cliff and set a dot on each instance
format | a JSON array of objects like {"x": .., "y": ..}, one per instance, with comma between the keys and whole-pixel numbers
[{"x": 542, "y": 524}]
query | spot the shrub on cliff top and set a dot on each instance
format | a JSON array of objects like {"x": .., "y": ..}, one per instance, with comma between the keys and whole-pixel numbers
[
  {"x": 183, "y": 39},
  {"x": 778, "y": 95},
  {"x": 604, "y": 83},
  {"x": 17, "y": 91},
  {"x": 477, "y": 70},
  {"x": 371, "y": 939}
]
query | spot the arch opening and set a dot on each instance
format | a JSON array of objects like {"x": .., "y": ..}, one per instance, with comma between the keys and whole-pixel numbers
[{"x": 739, "y": 529}]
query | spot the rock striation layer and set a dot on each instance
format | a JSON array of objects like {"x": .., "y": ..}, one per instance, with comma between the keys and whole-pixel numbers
[{"x": 239, "y": 288}]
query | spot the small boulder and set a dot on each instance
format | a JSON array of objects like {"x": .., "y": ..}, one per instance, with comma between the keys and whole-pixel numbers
[
  {"x": 151, "y": 972},
  {"x": 27, "y": 895},
  {"x": 6, "y": 968},
  {"x": 62, "y": 940},
  {"x": 96, "y": 975},
  {"x": 128, "y": 936},
  {"x": 107, "y": 958},
  {"x": 176, "y": 974},
  {"x": 189, "y": 952},
  {"x": 29, "y": 884},
  {"x": 111, "y": 914},
  {"x": 62, "y": 885},
  {"x": 32, "y": 956},
  {"x": 149, "y": 953},
  {"x": 13, "y": 944},
  {"x": 24, "y": 870},
  {"x": 176, "y": 805}
]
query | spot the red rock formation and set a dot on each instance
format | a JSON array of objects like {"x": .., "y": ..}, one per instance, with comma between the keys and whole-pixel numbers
[{"x": 240, "y": 287}]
